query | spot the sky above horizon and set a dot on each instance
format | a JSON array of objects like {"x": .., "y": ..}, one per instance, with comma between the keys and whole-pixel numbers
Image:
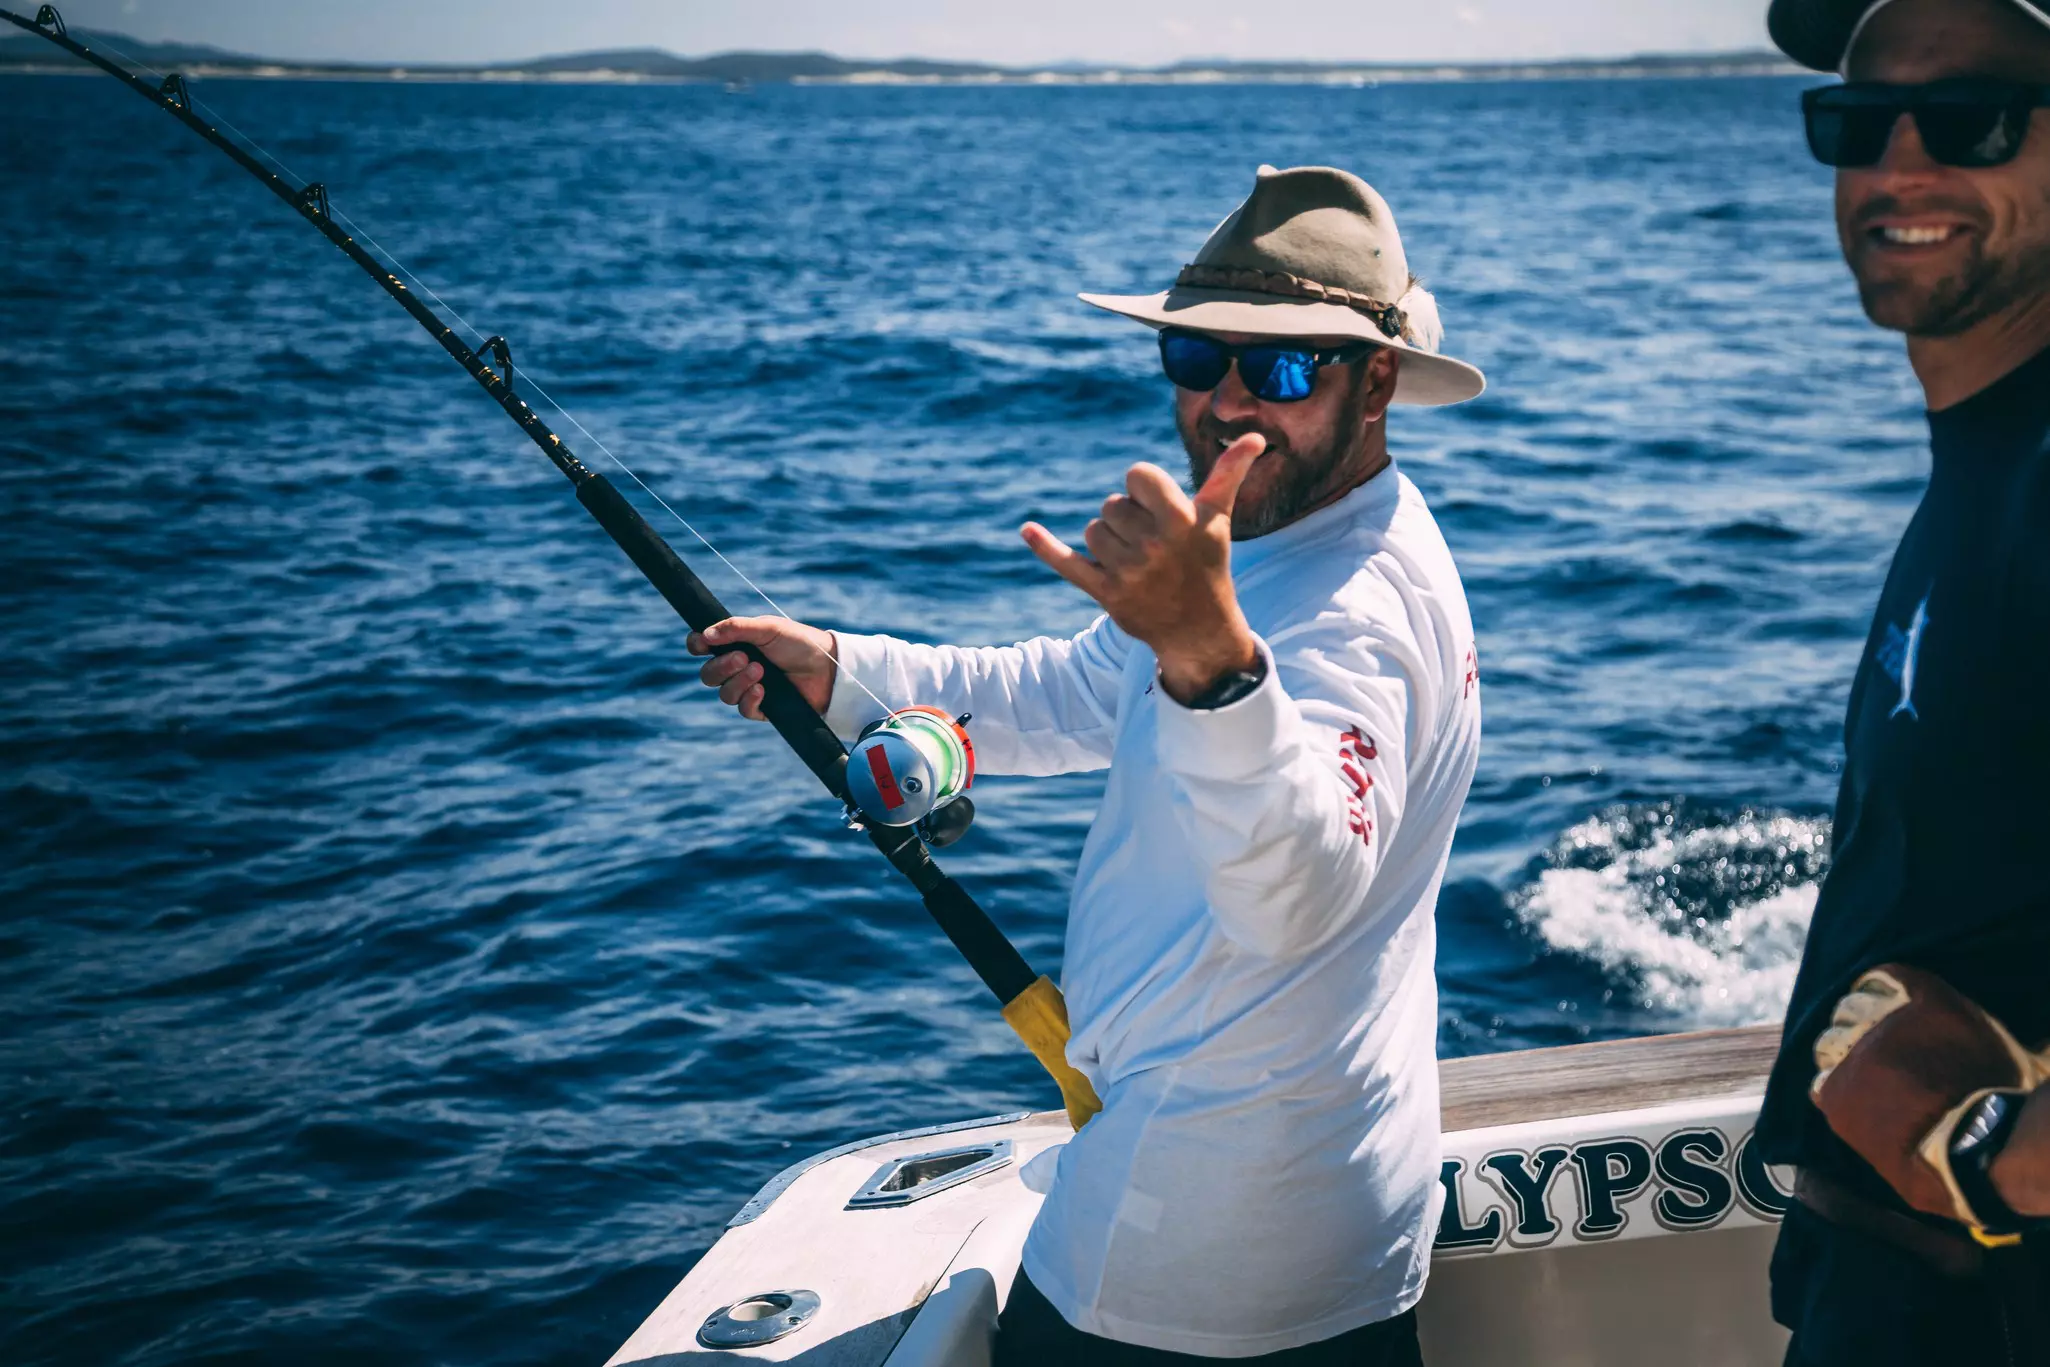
[{"x": 1135, "y": 32}]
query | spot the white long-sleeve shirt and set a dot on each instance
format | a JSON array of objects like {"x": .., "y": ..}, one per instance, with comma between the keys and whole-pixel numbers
[{"x": 1249, "y": 960}]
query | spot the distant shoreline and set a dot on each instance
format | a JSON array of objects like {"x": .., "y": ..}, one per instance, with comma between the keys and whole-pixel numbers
[
  {"x": 600, "y": 76},
  {"x": 743, "y": 70}
]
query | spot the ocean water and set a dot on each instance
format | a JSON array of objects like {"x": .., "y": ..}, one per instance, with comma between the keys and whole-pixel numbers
[{"x": 402, "y": 962}]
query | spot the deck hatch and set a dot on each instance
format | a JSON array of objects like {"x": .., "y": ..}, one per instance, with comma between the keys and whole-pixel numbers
[{"x": 916, "y": 1176}]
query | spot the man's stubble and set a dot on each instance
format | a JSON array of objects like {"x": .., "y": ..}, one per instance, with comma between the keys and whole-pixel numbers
[
  {"x": 1301, "y": 480},
  {"x": 1981, "y": 288}
]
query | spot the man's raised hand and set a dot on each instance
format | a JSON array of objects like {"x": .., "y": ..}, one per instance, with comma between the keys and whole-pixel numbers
[
  {"x": 1159, "y": 563},
  {"x": 806, "y": 654}
]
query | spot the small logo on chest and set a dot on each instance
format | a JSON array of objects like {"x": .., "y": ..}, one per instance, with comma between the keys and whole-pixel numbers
[{"x": 1900, "y": 655}]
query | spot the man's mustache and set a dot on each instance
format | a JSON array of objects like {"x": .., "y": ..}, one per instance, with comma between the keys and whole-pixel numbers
[{"x": 1215, "y": 433}]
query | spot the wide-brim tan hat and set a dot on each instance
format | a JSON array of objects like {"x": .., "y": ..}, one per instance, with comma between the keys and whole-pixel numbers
[{"x": 1313, "y": 253}]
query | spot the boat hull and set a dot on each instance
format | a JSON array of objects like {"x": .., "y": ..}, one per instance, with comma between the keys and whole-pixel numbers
[{"x": 1598, "y": 1199}]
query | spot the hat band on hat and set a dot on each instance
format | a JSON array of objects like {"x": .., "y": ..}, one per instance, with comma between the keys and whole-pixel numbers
[{"x": 1391, "y": 320}]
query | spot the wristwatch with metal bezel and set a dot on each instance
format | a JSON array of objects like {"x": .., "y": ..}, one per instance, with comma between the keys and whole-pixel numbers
[
  {"x": 1239, "y": 683},
  {"x": 1977, "y": 1139}
]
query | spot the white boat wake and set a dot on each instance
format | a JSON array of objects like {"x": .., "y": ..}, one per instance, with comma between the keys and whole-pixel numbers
[{"x": 1700, "y": 916}]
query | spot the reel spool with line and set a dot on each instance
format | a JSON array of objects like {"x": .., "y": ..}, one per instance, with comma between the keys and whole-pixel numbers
[{"x": 913, "y": 768}]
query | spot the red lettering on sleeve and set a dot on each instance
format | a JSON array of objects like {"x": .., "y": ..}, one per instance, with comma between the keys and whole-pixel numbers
[{"x": 1355, "y": 749}]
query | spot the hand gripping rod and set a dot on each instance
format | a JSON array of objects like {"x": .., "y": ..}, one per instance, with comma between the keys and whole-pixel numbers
[{"x": 1031, "y": 1003}]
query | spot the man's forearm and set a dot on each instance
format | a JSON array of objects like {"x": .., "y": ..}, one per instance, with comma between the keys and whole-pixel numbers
[
  {"x": 1043, "y": 706},
  {"x": 2021, "y": 1174}
]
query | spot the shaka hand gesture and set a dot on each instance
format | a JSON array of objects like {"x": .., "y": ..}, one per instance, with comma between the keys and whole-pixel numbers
[{"x": 1159, "y": 563}]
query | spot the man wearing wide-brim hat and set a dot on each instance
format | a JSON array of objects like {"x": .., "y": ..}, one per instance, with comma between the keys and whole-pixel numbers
[{"x": 1285, "y": 690}]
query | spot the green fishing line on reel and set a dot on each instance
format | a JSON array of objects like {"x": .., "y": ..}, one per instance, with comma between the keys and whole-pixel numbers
[{"x": 914, "y": 768}]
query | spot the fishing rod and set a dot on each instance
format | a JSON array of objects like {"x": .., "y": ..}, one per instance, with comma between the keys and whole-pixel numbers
[{"x": 915, "y": 762}]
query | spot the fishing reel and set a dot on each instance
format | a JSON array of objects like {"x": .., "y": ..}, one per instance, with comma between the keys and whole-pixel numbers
[{"x": 913, "y": 768}]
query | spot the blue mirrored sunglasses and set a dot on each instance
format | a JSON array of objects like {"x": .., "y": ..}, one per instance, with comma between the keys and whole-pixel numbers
[{"x": 1274, "y": 372}]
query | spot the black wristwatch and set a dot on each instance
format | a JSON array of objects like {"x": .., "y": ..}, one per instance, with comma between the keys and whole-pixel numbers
[
  {"x": 1981, "y": 1133},
  {"x": 1239, "y": 683}
]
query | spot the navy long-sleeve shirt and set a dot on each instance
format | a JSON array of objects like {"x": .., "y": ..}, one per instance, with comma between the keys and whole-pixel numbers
[
  {"x": 1941, "y": 848},
  {"x": 1941, "y": 859}
]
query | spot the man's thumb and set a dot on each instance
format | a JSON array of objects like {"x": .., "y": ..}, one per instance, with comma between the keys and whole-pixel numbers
[{"x": 1221, "y": 490}]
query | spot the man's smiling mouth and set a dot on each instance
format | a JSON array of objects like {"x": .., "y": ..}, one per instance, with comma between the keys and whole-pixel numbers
[
  {"x": 1917, "y": 237},
  {"x": 1899, "y": 233}
]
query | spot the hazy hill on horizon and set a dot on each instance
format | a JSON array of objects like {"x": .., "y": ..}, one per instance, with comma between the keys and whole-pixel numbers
[{"x": 22, "y": 51}]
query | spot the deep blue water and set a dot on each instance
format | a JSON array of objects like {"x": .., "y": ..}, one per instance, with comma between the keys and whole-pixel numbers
[{"x": 401, "y": 962}]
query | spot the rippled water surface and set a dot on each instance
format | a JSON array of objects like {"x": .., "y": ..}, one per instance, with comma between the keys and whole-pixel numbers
[{"x": 401, "y": 963}]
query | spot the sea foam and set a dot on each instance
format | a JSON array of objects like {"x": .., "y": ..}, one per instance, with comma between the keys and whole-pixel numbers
[{"x": 1701, "y": 915}]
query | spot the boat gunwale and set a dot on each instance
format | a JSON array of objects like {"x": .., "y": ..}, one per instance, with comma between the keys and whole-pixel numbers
[
  {"x": 1523, "y": 1086},
  {"x": 783, "y": 1180}
]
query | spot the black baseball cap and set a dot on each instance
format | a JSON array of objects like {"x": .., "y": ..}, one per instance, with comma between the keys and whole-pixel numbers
[{"x": 1818, "y": 33}]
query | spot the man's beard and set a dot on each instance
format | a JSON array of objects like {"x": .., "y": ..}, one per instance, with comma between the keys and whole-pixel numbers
[
  {"x": 1980, "y": 288},
  {"x": 1292, "y": 482}
]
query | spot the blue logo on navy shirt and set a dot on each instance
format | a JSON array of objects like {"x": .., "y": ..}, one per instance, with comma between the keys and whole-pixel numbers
[{"x": 1898, "y": 653}]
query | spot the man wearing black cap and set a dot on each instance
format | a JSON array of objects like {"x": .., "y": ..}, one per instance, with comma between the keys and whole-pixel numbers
[{"x": 1909, "y": 1089}]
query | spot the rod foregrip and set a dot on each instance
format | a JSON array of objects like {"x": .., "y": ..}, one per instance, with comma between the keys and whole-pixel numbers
[
  {"x": 794, "y": 719},
  {"x": 1039, "y": 1014}
]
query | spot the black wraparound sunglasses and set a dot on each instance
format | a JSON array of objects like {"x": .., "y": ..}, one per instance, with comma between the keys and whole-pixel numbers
[
  {"x": 1275, "y": 372},
  {"x": 1967, "y": 121}
]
